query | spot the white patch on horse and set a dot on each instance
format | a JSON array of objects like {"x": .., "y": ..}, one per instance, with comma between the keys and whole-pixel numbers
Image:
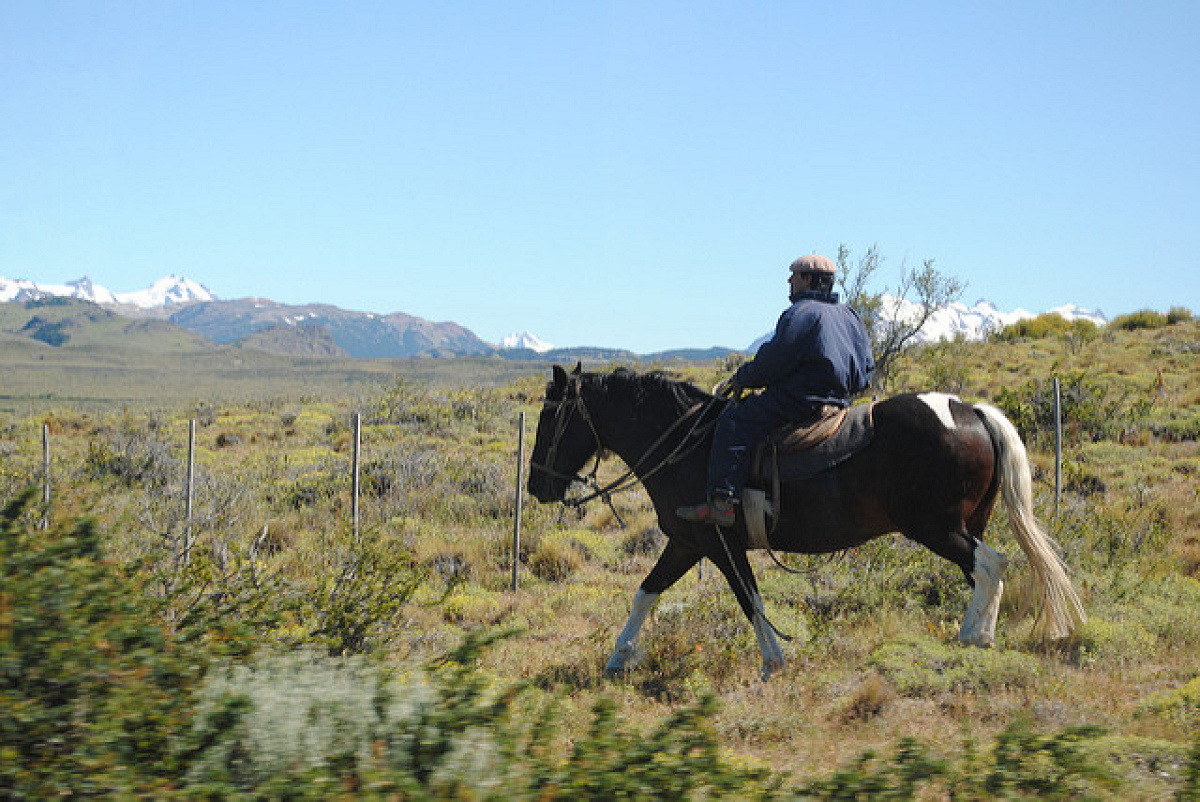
[
  {"x": 979, "y": 624},
  {"x": 940, "y": 404},
  {"x": 772, "y": 653},
  {"x": 626, "y": 652}
]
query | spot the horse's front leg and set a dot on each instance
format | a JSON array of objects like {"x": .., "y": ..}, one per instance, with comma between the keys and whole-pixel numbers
[
  {"x": 731, "y": 559},
  {"x": 673, "y": 563}
]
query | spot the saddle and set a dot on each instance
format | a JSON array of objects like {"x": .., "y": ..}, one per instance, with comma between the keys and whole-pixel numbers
[{"x": 793, "y": 454}]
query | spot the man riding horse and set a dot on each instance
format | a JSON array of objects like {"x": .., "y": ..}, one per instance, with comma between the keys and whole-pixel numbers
[
  {"x": 932, "y": 469},
  {"x": 819, "y": 357}
]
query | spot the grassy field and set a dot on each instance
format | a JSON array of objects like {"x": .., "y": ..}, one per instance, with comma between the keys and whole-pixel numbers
[{"x": 874, "y": 660}]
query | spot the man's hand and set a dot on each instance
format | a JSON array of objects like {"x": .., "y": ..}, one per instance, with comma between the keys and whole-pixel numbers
[{"x": 728, "y": 389}]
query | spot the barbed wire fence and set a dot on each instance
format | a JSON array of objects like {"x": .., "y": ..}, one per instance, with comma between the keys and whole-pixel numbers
[{"x": 190, "y": 530}]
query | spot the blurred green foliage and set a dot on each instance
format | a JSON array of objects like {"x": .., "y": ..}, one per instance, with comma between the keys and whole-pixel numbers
[
  {"x": 100, "y": 697},
  {"x": 96, "y": 695}
]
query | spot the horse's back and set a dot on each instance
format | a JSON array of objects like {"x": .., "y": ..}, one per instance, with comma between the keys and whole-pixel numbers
[
  {"x": 924, "y": 410},
  {"x": 939, "y": 447},
  {"x": 930, "y": 463}
]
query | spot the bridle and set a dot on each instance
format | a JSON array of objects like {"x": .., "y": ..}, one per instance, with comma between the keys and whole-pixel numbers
[{"x": 572, "y": 403}]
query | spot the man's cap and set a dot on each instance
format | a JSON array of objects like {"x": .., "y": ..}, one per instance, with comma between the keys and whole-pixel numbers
[{"x": 814, "y": 263}]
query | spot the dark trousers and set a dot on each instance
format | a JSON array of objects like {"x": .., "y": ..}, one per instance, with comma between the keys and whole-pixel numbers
[{"x": 741, "y": 427}]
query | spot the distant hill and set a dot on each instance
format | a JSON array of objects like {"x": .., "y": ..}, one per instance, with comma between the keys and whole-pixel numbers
[
  {"x": 66, "y": 350},
  {"x": 58, "y": 322},
  {"x": 312, "y": 331},
  {"x": 362, "y": 335},
  {"x": 189, "y": 305},
  {"x": 311, "y": 341}
]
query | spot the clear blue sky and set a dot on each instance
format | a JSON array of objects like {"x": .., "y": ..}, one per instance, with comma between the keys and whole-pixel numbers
[{"x": 633, "y": 175}]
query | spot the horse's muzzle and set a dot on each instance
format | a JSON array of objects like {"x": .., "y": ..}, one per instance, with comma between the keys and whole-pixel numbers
[{"x": 544, "y": 486}]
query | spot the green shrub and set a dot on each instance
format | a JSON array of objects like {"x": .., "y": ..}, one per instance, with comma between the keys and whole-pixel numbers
[
  {"x": 361, "y": 593},
  {"x": 554, "y": 560},
  {"x": 910, "y": 770},
  {"x": 1090, "y": 408},
  {"x": 447, "y": 732},
  {"x": 1166, "y": 607},
  {"x": 919, "y": 667},
  {"x": 306, "y": 713},
  {"x": 96, "y": 696},
  {"x": 1191, "y": 779},
  {"x": 315, "y": 489},
  {"x": 1178, "y": 314},
  {"x": 1022, "y": 763},
  {"x": 1142, "y": 319},
  {"x": 1180, "y": 704},
  {"x": 1115, "y": 642},
  {"x": 1029, "y": 763},
  {"x": 471, "y": 604},
  {"x": 1047, "y": 324},
  {"x": 135, "y": 456}
]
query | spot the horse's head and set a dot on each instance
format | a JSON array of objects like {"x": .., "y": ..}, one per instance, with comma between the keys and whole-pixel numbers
[{"x": 566, "y": 437}]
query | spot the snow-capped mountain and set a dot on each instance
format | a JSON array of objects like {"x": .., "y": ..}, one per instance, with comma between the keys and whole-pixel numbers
[
  {"x": 971, "y": 322},
  {"x": 525, "y": 340},
  {"x": 166, "y": 292},
  {"x": 311, "y": 329},
  {"x": 25, "y": 290},
  {"x": 365, "y": 335},
  {"x": 975, "y": 322}
]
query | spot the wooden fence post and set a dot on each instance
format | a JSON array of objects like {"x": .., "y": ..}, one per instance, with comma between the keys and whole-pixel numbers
[
  {"x": 1057, "y": 443},
  {"x": 45, "y": 476},
  {"x": 516, "y": 549},
  {"x": 189, "y": 490},
  {"x": 354, "y": 475}
]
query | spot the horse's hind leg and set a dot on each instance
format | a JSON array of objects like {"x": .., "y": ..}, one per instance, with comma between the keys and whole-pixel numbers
[
  {"x": 983, "y": 567},
  {"x": 979, "y": 623},
  {"x": 673, "y": 563}
]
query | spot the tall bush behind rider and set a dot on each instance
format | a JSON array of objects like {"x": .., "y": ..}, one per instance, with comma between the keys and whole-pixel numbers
[{"x": 819, "y": 356}]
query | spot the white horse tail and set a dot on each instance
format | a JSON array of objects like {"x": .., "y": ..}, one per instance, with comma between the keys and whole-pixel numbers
[{"x": 1059, "y": 611}]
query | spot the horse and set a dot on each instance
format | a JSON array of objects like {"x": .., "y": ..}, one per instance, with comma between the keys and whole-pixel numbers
[{"x": 932, "y": 471}]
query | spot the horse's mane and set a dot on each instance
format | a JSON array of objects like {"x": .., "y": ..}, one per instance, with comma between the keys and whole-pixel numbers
[{"x": 653, "y": 385}]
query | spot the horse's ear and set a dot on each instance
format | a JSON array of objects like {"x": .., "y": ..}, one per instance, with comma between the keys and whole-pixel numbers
[
  {"x": 578, "y": 368},
  {"x": 560, "y": 377}
]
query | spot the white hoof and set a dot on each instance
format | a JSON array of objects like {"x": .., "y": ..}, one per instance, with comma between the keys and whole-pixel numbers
[
  {"x": 977, "y": 639},
  {"x": 771, "y": 668},
  {"x": 621, "y": 661}
]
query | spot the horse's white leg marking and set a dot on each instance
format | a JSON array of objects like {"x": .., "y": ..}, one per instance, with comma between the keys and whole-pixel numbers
[
  {"x": 940, "y": 404},
  {"x": 768, "y": 644},
  {"x": 979, "y": 624},
  {"x": 643, "y": 603}
]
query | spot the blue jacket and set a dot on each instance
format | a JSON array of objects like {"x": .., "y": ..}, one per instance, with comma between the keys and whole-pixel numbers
[{"x": 820, "y": 353}]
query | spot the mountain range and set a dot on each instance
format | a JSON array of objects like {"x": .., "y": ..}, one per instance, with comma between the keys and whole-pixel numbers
[
  {"x": 322, "y": 330},
  {"x": 167, "y": 292}
]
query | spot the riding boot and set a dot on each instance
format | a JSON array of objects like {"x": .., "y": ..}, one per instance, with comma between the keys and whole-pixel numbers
[{"x": 718, "y": 512}]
